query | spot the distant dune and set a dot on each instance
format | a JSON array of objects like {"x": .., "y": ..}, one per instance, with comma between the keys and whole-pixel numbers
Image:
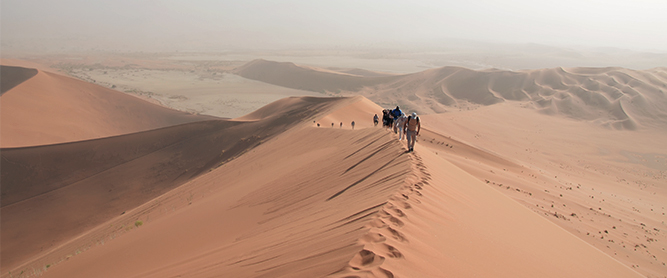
[
  {"x": 49, "y": 108},
  {"x": 306, "y": 78},
  {"x": 613, "y": 97}
]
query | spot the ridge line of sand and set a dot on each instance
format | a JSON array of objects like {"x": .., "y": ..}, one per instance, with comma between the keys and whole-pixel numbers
[{"x": 384, "y": 228}]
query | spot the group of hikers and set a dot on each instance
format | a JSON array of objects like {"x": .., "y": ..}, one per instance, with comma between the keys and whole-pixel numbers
[{"x": 406, "y": 126}]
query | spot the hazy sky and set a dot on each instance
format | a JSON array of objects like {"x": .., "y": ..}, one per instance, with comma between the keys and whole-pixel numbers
[{"x": 210, "y": 24}]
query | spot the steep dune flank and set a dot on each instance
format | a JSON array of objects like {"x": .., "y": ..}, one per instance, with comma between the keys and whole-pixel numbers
[
  {"x": 66, "y": 189},
  {"x": 10, "y": 77},
  {"x": 613, "y": 97},
  {"x": 50, "y": 108}
]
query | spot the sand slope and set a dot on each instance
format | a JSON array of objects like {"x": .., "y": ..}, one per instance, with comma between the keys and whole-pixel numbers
[
  {"x": 606, "y": 187},
  {"x": 328, "y": 202},
  {"x": 66, "y": 189},
  {"x": 10, "y": 77},
  {"x": 613, "y": 97},
  {"x": 50, "y": 108}
]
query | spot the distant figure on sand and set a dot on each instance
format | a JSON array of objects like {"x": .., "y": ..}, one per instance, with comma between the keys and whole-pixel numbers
[
  {"x": 341, "y": 124},
  {"x": 376, "y": 119},
  {"x": 352, "y": 124},
  {"x": 331, "y": 124},
  {"x": 400, "y": 122},
  {"x": 318, "y": 124},
  {"x": 412, "y": 127}
]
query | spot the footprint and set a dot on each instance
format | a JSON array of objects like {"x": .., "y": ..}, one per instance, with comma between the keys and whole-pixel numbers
[
  {"x": 396, "y": 221},
  {"x": 386, "y": 273},
  {"x": 378, "y": 223},
  {"x": 392, "y": 252},
  {"x": 397, "y": 235},
  {"x": 398, "y": 212},
  {"x": 393, "y": 220},
  {"x": 373, "y": 237},
  {"x": 365, "y": 259}
]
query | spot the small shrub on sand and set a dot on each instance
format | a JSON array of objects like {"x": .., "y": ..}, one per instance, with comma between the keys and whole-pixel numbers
[{"x": 138, "y": 223}]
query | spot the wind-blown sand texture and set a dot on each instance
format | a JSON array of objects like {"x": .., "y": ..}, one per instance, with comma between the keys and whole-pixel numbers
[
  {"x": 487, "y": 193},
  {"x": 613, "y": 97}
]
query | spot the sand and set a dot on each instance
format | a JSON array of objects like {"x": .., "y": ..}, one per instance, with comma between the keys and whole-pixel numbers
[
  {"x": 606, "y": 187},
  {"x": 612, "y": 97},
  {"x": 49, "y": 108},
  {"x": 503, "y": 190}
]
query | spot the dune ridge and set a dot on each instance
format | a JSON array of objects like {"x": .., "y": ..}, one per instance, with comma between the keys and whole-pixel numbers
[
  {"x": 11, "y": 77},
  {"x": 612, "y": 97}
]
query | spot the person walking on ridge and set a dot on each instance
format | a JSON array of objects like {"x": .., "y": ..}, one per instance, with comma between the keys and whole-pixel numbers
[
  {"x": 412, "y": 127},
  {"x": 396, "y": 113},
  {"x": 400, "y": 122},
  {"x": 376, "y": 119}
]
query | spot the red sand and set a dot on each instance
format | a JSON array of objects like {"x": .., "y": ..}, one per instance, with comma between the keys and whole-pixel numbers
[
  {"x": 272, "y": 195},
  {"x": 50, "y": 108},
  {"x": 323, "y": 195}
]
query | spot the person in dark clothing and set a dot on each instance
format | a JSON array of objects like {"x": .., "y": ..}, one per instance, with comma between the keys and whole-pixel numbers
[{"x": 396, "y": 113}]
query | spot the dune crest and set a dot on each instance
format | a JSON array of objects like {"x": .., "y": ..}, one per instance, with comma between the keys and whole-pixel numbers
[
  {"x": 614, "y": 97},
  {"x": 49, "y": 108},
  {"x": 11, "y": 77}
]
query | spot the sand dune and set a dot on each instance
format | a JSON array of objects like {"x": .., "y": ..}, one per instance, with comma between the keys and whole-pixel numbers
[
  {"x": 10, "y": 77},
  {"x": 306, "y": 78},
  {"x": 613, "y": 97},
  {"x": 604, "y": 186},
  {"x": 494, "y": 189},
  {"x": 49, "y": 108},
  {"x": 318, "y": 202},
  {"x": 60, "y": 187}
]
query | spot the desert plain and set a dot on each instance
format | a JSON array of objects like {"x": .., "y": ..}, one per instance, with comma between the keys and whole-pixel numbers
[{"x": 239, "y": 165}]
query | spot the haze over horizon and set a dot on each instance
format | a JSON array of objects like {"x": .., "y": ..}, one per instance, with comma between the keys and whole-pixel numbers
[{"x": 205, "y": 25}]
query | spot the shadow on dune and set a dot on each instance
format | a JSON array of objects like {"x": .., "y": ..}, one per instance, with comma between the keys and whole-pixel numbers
[
  {"x": 54, "y": 192},
  {"x": 10, "y": 77}
]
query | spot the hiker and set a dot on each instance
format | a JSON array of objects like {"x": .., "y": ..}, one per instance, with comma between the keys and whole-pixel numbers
[
  {"x": 400, "y": 122},
  {"x": 376, "y": 119},
  {"x": 332, "y": 124},
  {"x": 412, "y": 127},
  {"x": 387, "y": 119},
  {"x": 396, "y": 113},
  {"x": 396, "y": 126},
  {"x": 352, "y": 124},
  {"x": 341, "y": 124}
]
